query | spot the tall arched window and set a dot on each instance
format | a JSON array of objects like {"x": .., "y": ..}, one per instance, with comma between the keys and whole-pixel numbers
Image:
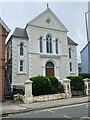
[
  {"x": 56, "y": 46},
  {"x": 21, "y": 48},
  {"x": 49, "y": 43},
  {"x": 69, "y": 52},
  {"x": 41, "y": 44}
]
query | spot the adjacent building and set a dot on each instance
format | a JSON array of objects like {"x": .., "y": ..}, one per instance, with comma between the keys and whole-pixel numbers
[
  {"x": 89, "y": 19},
  {"x": 79, "y": 68},
  {"x": 85, "y": 60},
  {"x": 85, "y": 53},
  {"x": 41, "y": 48},
  {"x": 4, "y": 30}
]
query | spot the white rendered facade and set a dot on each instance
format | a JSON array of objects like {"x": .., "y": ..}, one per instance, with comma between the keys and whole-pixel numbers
[{"x": 34, "y": 58}]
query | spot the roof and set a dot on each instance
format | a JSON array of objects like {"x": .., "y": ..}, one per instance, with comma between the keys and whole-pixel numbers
[
  {"x": 70, "y": 41},
  {"x": 85, "y": 47},
  {"x": 20, "y": 32},
  {"x": 4, "y": 25}
]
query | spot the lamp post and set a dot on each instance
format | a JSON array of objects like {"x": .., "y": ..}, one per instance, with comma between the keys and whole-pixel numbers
[{"x": 87, "y": 32}]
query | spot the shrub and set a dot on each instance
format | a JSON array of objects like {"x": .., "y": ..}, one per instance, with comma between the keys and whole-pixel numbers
[
  {"x": 77, "y": 83},
  {"x": 41, "y": 85},
  {"x": 54, "y": 84},
  {"x": 84, "y": 75}
]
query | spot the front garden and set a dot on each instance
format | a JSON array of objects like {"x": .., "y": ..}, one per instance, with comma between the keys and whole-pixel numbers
[
  {"x": 42, "y": 88},
  {"x": 46, "y": 85}
]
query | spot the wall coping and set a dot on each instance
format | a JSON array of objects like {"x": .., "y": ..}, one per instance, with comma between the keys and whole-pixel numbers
[
  {"x": 66, "y": 80},
  {"x": 86, "y": 79},
  {"x": 28, "y": 81}
]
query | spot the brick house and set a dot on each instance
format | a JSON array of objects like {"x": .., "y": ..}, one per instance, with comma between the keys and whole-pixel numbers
[{"x": 4, "y": 30}]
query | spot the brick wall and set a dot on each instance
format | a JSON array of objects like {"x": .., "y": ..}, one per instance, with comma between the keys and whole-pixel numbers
[{"x": 2, "y": 60}]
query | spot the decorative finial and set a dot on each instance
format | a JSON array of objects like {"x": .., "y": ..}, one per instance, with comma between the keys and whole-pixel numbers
[{"x": 47, "y": 5}]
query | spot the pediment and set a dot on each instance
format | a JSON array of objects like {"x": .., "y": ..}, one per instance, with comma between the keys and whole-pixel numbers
[{"x": 49, "y": 20}]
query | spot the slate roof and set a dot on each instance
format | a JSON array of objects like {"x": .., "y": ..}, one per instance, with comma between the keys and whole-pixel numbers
[
  {"x": 21, "y": 33},
  {"x": 4, "y": 25},
  {"x": 70, "y": 41}
]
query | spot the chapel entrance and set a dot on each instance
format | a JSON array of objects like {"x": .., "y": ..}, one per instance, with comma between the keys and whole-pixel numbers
[{"x": 49, "y": 69}]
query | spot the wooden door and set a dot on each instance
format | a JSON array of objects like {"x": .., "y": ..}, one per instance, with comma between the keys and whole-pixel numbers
[{"x": 49, "y": 69}]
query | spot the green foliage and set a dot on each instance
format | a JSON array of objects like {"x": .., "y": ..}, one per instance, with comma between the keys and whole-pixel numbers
[
  {"x": 84, "y": 75},
  {"x": 54, "y": 84},
  {"x": 44, "y": 85},
  {"x": 77, "y": 83},
  {"x": 41, "y": 85}
]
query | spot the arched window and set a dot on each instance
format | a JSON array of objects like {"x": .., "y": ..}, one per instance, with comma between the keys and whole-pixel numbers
[
  {"x": 41, "y": 44},
  {"x": 56, "y": 46},
  {"x": 49, "y": 65},
  {"x": 69, "y": 52},
  {"x": 49, "y": 69},
  {"x": 49, "y": 43},
  {"x": 70, "y": 66},
  {"x": 21, "y": 48}
]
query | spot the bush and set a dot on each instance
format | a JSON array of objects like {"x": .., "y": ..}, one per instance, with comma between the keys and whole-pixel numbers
[
  {"x": 41, "y": 85},
  {"x": 54, "y": 84},
  {"x": 77, "y": 83},
  {"x": 84, "y": 75}
]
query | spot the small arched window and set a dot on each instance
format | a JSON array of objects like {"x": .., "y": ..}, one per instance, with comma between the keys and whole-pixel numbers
[
  {"x": 21, "y": 48},
  {"x": 49, "y": 43},
  {"x": 41, "y": 44},
  {"x": 56, "y": 46}
]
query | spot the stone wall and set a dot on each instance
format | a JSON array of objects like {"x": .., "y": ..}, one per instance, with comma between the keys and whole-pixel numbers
[
  {"x": 48, "y": 97},
  {"x": 29, "y": 98},
  {"x": 41, "y": 97}
]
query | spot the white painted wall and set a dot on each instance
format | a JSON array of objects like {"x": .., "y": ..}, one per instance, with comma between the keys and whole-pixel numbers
[
  {"x": 17, "y": 76},
  {"x": 34, "y": 60}
]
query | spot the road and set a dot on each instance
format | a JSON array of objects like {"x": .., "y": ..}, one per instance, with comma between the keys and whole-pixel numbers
[{"x": 72, "y": 111}]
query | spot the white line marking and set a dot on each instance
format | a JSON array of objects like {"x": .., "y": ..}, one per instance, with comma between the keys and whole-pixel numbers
[
  {"x": 67, "y": 106},
  {"x": 66, "y": 116},
  {"x": 50, "y": 111}
]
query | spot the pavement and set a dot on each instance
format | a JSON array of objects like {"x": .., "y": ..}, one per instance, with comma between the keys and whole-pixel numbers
[{"x": 13, "y": 107}]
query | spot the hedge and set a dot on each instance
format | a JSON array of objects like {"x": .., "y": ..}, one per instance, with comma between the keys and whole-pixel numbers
[
  {"x": 84, "y": 75},
  {"x": 54, "y": 84},
  {"x": 41, "y": 85},
  {"x": 77, "y": 83},
  {"x": 45, "y": 85}
]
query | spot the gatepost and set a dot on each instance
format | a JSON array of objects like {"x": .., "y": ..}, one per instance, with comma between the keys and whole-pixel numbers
[
  {"x": 87, "y": 86},
  {"x": 67, "y": 87},
  {"x": 28, "y": 92}
]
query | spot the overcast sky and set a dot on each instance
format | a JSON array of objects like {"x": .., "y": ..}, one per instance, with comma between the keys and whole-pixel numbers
[{"x": 71, "y": 14}]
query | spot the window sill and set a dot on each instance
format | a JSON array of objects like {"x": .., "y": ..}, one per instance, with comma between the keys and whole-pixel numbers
[
  {"x": 21, "y": 73},
  {"x": 72, "y": 73}
]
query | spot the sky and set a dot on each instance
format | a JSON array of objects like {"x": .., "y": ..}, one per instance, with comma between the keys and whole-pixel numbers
[{"x": 71, "y": 14}]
